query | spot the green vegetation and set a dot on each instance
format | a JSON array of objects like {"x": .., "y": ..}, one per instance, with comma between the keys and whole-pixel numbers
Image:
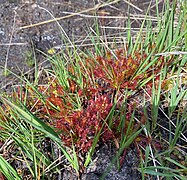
[{"x": 133, "y": 96}]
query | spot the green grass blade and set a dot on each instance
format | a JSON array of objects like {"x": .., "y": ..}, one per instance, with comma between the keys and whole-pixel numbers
[
  {"x": 7, "y": 170},
  {"x": 40, "y": 125}
]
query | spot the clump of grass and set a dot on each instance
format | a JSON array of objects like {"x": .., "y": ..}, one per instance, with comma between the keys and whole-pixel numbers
[{"x": 117, "y": 96}]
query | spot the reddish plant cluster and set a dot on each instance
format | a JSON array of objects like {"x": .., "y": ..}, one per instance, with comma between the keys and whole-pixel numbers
[
  {"x": 117, "y": 70},
  {"x": 80, "y": 127},
  {"x": 77, "y": 126},
  {"x": 79, "y": 123}
]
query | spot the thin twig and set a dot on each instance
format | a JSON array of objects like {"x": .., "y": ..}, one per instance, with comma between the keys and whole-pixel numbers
[
  {"x": 13, "y": 44},
  {"x": 172, "y": 53},
  {"x": 133, "y": 17},
  {"x": 97, "y": 6},
  {"x": 131, "y": 4}
]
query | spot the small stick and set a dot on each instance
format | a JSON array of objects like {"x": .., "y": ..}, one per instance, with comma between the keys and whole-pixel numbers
[
  {"x": 97, "y": 6},
  {"x": 172, "y": 53}
]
